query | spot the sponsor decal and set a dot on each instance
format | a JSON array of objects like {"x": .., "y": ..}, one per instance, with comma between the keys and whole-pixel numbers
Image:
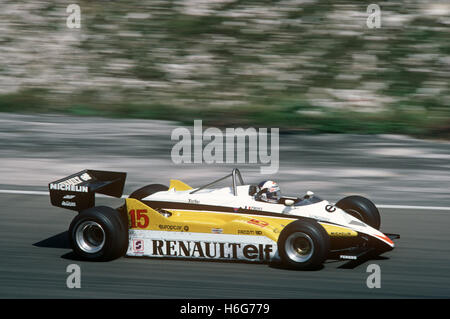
[
  {"x": 138, "y": 245},
  {"x": 235, "y": 209},
  {"x": 193, "y": 201},
  {"x": 69, "y": 197},
  {"x": 68, "y": 187},
  {"x": 72, "y": 184},
  {"x": 253, "y": 208},
  {"x": 330, "y": 208},
  {"x": 249, "y": 232},
  {"x": 170, "y": 227},
  {"x": 217, "y": 230},
  {"x": 257, "y": 222},
  {"x": 340, "y": 234},
  {"x": 210, "y": 250},
  {"x": 72, "y": 181},
  {"x": 68, "y": 204},
  {"x": 85, "y": 177},
  {"x": 348, "y": 257}
]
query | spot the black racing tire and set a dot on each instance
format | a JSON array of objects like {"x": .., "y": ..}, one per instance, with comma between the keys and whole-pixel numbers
[
  {"x": 361, "y": 208},
  {"x": 303, "y": 245},
  {"x": 99, "y": 234},
  {"x": 147, "y": 191}
]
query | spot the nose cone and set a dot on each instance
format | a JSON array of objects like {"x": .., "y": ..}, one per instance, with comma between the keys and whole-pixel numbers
[
  {"x": 386, "y": 239},
  {"x": 383, "y": 244}
]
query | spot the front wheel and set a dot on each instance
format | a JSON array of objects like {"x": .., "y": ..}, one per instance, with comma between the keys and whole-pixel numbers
[
  {"x": 99, "y": 234},
  {"x": 361, "y": 208},
  {"x": 303, "y": 244}
]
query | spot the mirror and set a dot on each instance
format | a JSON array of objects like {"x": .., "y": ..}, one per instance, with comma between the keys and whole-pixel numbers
[{"x": 289, "y": 202}]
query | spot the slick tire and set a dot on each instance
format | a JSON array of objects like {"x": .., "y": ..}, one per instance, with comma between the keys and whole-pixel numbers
[
  {"x": 303, "y": 245},
  {"x": 147, "y": 191},
  {"x": 361, "y": 208},
  {"x": 99, "y": 234}
]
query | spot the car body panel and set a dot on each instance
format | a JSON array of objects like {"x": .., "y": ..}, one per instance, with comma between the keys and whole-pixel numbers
[
  {"x": 235, "y": 236},
  {"x": 223, "y": 199}
]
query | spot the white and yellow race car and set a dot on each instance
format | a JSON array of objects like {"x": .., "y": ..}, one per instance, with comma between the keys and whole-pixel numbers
[{"x": 224, "y": 223}]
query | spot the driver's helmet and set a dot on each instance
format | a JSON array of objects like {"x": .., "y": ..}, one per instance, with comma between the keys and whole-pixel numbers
[{"x": 269, "y": 191}]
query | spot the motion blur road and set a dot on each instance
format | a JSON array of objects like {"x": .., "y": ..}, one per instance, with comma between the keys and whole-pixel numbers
[
  {"x": 35, "y": 255},
  {"x": 391, "y": 170}
]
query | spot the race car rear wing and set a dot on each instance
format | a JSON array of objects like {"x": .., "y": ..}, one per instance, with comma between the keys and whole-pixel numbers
[{"x": 77, "y": 191}]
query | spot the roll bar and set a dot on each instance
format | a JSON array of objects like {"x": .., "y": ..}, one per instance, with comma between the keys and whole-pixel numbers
[{"x": 235, "y": 174}]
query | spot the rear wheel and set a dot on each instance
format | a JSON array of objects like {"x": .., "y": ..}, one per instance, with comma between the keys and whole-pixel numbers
[
  {"x": 99, "y": 233},
  {"x": 361, "y": 208},
  {"x": 303, "y": 244}
]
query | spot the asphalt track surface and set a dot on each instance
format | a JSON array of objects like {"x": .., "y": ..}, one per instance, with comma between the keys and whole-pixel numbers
[{"x": 34, "y": 256}]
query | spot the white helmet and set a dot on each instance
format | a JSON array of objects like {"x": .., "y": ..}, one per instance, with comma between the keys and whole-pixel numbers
[{"x": 269, "y": 191}]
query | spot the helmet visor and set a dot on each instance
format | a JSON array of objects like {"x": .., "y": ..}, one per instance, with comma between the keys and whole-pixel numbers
[{"x": 274, "y": 195}]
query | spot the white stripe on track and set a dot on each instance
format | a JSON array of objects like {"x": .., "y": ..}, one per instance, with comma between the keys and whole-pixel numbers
[
  {"x": 19, "y": 192},
  {"x": 414, "y": 207},
  {"x": 23, "y": 192},
  {"x": 46, "y": 193}
]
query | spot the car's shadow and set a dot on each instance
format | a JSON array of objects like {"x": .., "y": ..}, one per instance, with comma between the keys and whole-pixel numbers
[
  {"x": 72, "y": 256},
  {"x": 60, "y": 240},
  {"x": 279, "y": 265},
  {"x": 351, "y": 264}
]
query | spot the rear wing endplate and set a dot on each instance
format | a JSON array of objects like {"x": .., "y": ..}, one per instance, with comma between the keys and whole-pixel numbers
[{"x": 77, "y": 191}]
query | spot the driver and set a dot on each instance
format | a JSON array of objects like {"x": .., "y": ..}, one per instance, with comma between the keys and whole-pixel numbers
[{"x": 269, "y": 192}]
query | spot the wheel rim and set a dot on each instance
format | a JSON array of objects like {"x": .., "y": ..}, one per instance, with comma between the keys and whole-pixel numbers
[
  {"x": 299, "y": 247},
  {"x": 90, "y": 237}
]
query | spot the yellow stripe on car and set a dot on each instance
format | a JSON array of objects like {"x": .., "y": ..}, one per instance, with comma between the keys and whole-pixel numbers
[
  {"x": 143, "y": 217},
  {"x": 338, "y": 231}
]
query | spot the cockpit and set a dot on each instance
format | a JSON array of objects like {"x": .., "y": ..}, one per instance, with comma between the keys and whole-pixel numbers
[{"x": 238, "y": 187}]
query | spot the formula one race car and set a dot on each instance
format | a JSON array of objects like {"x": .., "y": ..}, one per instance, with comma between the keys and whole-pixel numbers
[{"x": 228, "y": 223}]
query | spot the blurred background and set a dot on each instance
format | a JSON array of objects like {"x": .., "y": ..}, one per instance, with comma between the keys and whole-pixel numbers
[
  {"x": 109, "y": 94},
  {"x": 306, "y": 65}
]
